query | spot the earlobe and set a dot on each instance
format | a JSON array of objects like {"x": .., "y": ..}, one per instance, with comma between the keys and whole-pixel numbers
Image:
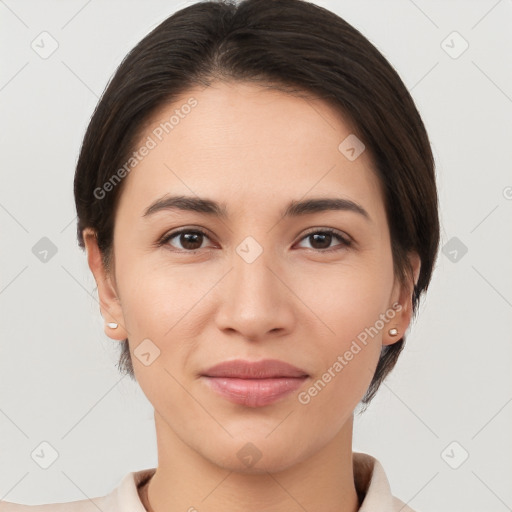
[
  {"x": 393, "y": 332},
  {"x": 396, "y": 328},
  {"x": 110, "y": 306}
]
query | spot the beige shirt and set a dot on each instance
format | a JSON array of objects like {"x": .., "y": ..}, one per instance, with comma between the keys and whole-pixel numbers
[{"x": 369, "y": 476}]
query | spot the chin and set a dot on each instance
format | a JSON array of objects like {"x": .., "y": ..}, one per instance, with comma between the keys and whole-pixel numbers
[{"x": 258, "y": 454}]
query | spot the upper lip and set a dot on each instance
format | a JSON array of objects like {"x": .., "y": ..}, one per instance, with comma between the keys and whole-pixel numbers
[{"x": 264, "y": 369}]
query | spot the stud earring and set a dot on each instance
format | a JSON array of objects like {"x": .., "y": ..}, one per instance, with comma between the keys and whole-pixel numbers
[
  {"x": 393, "y": 332},
  {"x": 112, "y": 325}
]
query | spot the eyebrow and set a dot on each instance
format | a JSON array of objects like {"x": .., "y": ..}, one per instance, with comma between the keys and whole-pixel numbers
[{"x": 293, "y": 209}]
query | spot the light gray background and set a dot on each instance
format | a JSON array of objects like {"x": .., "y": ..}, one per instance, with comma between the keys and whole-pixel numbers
[{"x": 58, "y": 378}]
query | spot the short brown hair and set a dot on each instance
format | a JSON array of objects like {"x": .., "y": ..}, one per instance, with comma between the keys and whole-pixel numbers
[{"x": 292, "y": 45}]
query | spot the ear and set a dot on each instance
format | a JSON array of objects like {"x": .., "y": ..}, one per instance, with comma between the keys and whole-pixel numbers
[
  {"x": 401, "y": 303},
  {"x": 110, "y": 306}
]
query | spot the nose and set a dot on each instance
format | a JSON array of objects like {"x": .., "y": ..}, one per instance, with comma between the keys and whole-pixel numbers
[{"x": 255, "y": 299}]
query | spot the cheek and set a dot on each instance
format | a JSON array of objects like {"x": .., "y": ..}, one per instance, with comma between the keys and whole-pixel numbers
[
  {"x": 158, "y": 297},
  {"x": 334, "y": 393},
  {"x": 346, "y": 298}
]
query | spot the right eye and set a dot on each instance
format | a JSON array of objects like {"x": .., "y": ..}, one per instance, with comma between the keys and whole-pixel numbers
[{"x": 190, "y": 239}]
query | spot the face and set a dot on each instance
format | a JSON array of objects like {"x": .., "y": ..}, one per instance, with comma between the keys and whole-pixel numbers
[{"x": 195, "y": 288}]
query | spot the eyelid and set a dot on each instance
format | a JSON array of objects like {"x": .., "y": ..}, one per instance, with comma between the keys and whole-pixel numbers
[{"x": 347, "y": 238}]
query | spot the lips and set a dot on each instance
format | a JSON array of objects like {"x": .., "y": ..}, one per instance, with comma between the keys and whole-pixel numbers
[
  {"x": 265, "y": 369},
  {"x": 254, "y": 384}
]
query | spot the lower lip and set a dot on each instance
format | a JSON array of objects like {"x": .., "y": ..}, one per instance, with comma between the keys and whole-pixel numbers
[{"x": 254, "y": 392}]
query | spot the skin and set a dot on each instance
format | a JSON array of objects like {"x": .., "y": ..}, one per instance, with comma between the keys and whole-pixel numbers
[{"x": 255, "y": 150}]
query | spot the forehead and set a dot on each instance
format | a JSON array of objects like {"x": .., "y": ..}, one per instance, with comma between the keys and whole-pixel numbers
[{"x": 248, "y": 146}]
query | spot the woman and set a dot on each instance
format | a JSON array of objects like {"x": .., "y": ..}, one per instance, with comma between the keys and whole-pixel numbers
[{"x": 232, "y": 144}]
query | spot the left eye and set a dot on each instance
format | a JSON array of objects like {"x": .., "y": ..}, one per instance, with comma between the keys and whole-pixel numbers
[{"x": 323, "y": 238}]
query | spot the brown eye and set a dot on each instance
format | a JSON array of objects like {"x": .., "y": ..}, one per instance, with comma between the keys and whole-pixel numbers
[
  {"x": 321, "y": 240},
  {"x": 190, "y": 240}
]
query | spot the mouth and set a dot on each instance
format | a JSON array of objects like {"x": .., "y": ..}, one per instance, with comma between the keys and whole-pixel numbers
[
  {"x": 254, "y": 384},
  {"x": 264, "y": 369}
]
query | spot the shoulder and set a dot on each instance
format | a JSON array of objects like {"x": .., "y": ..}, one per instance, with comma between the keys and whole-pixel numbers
[
  {"x": 373, "y": 486},
  {"x": 72, "y": 506},
  {"x": 400, "y": 506},
  {"x": 123, "y": 497}
]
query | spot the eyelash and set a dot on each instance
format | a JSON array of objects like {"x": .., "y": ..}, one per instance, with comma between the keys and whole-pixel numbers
[{"x": 345, "y": 242}]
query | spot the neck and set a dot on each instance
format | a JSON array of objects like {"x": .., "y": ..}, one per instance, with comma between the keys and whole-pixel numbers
[{"x": 186, "y": 481}]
